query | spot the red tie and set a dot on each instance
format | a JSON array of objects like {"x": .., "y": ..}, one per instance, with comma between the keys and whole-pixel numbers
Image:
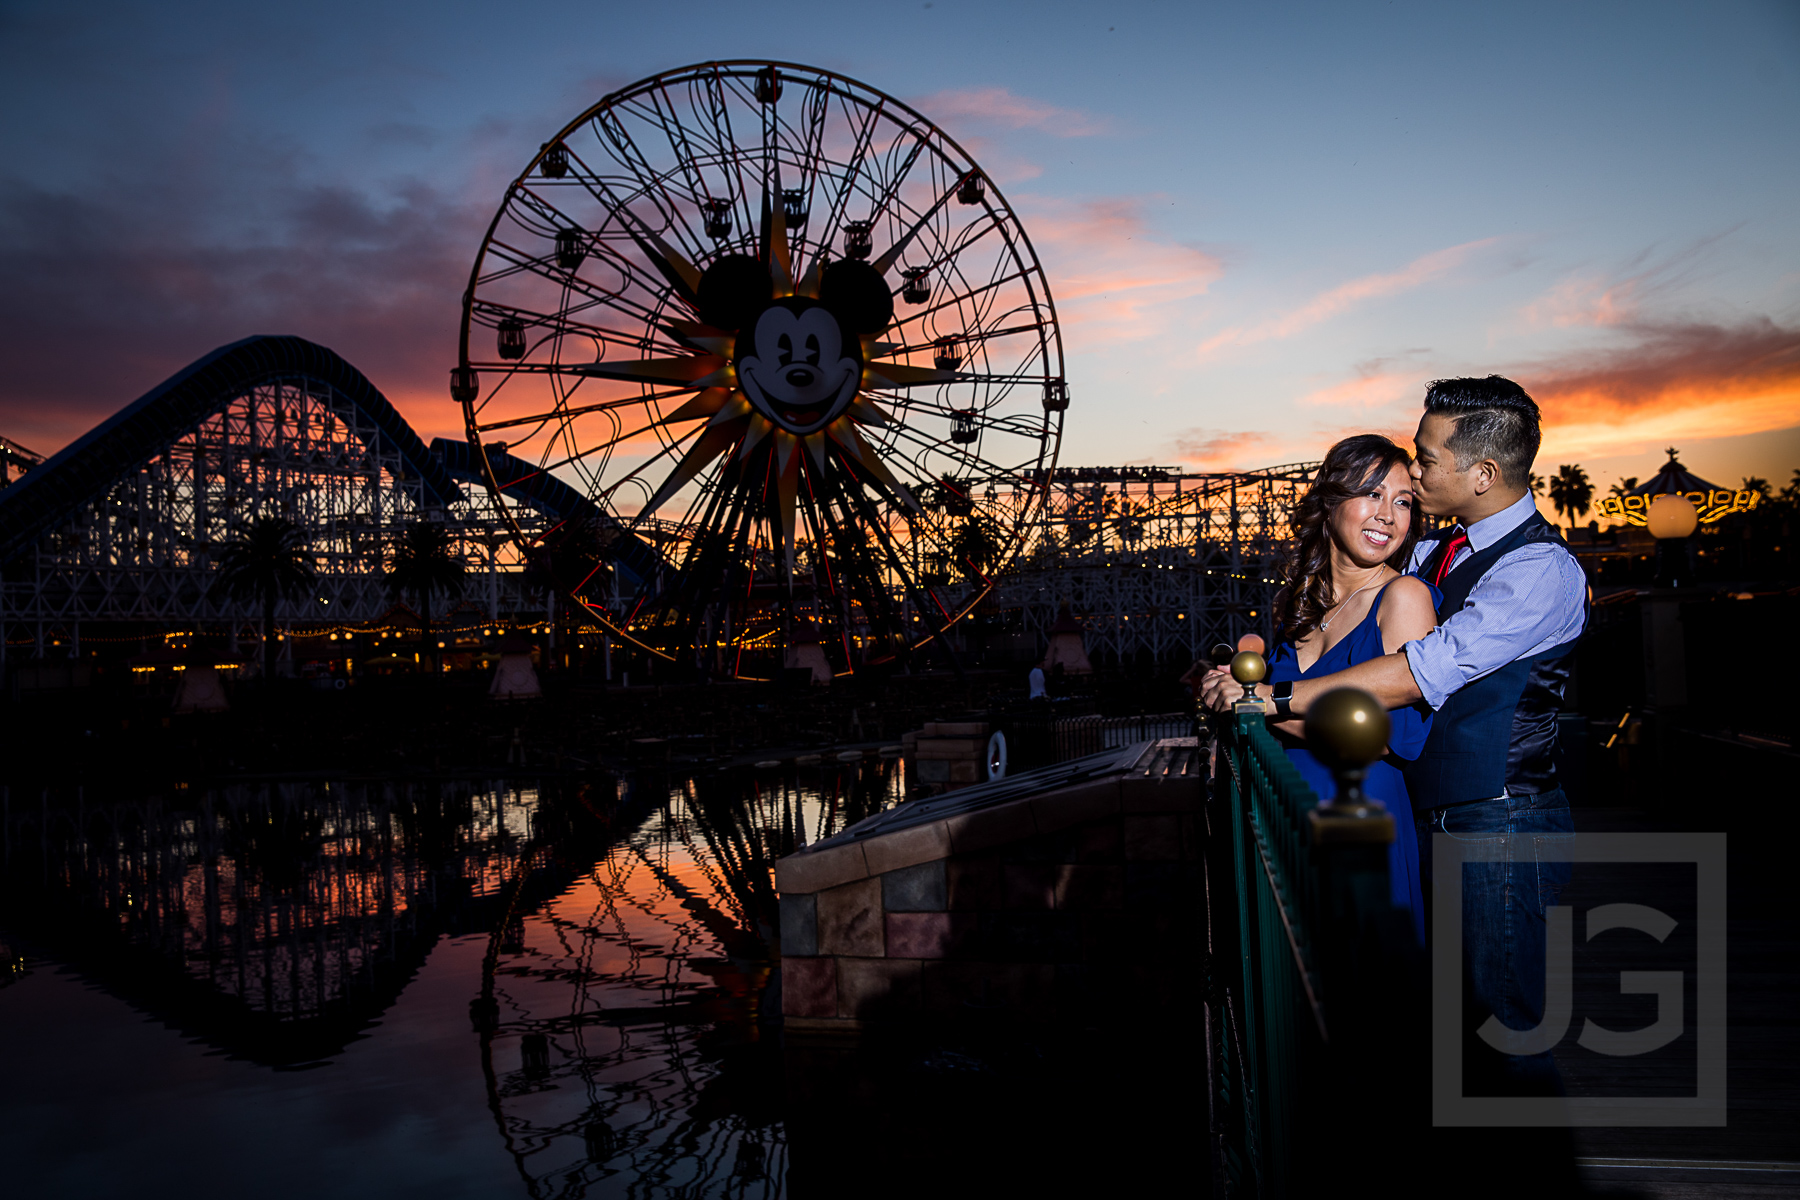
[{"x": 1458, "y": 540}]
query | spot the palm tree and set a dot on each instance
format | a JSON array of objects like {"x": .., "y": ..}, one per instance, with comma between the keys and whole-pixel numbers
[
  {"x": 1571, "y": 492},
  {"x": 1536, "y": 483},
  {"x": 976, "y": 545},
  {"x": 421, "y": 561},
  {"x": 1623, "y": 487},
  {"x": 269, "y": 562},
  {"x": 570, "y": 564}
]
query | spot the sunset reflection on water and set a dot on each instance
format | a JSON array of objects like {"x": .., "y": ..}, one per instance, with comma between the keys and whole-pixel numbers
[{"x": 608, "y": 943}]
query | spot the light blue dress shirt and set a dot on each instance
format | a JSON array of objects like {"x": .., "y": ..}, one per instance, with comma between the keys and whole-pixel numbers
[{"x": 1529, "y": 601}]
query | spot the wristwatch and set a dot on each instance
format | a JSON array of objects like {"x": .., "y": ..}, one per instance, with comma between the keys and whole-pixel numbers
[{"x": 1283, "y": 696}]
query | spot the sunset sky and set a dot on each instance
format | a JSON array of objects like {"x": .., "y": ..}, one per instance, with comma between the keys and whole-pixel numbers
[{"x": 1264, "y": 226}]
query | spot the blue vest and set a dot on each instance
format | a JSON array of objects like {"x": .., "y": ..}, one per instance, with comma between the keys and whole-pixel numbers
[{"x": 1497, "y": 734}]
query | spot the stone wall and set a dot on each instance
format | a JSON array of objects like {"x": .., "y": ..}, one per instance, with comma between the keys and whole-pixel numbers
[
  {"x": 946, "y": 755},
  {"x": 1075, "y": 901}
]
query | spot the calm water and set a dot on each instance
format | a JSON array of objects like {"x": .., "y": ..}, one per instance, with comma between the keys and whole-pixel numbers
[{"x": 394, "y": 989}]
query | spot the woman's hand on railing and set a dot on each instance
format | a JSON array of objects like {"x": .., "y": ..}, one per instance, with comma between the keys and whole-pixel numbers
[{"x": 1219, "y": 691}]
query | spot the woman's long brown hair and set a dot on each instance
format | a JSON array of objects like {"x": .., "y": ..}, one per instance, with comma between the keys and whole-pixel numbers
[{"x": 1353, "y": 467}]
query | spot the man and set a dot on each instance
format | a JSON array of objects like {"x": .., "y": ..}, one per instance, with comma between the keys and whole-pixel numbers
[{"x": 1494, "y": 670}]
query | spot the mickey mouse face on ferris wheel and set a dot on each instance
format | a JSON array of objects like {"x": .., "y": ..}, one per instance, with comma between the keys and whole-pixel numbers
[{"x": 799, "y": 360}]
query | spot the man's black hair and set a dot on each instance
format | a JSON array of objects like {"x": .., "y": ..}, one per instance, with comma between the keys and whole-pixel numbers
[{"x": 1494, "y": 419}]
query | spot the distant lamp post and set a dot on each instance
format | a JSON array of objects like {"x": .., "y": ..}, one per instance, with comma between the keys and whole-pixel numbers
[{"x": 1672, "y": 520}]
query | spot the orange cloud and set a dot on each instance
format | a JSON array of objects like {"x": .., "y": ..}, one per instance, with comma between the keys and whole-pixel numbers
[
  {"x": 1676, "y": 381},
  {"x": 1378, "y": 383},
  {"x": 1591, "y": 300},
  {"x": 1114, "y": 279},
  {"x": 1001, "y": 107},
  {"x": 1583, "y": 300},
  {"x": 1223, "y": 450},
  {"x": 1330, "y": 303}
]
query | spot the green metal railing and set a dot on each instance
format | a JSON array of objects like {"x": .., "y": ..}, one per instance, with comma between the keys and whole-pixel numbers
[{"x": 1306, "y": 950}]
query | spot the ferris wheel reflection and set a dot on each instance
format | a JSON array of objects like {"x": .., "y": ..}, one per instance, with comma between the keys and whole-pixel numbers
[{"x": 622, "y": 1020}]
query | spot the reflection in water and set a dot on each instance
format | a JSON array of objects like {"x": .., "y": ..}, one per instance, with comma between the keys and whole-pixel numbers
[
  {"x": 629, "y": 922},
  {"x": 621, "y": 1021},
  {"x": 272, "y": 919}
]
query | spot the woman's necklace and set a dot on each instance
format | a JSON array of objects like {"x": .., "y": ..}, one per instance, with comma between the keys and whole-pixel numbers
[{"x": 1326, "y": 624}]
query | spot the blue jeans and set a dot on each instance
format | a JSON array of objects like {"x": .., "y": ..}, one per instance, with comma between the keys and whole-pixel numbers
[{"x": 1503, "y": 928}]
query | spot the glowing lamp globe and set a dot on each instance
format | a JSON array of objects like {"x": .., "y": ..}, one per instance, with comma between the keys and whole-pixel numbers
[
  {"x": 1672, "y": 516},
  {"x": 1347, "y": 728}
]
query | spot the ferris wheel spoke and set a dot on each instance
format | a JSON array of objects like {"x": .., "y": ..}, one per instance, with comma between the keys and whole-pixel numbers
[
  {"x": 633, "y": 475},
  {"x": 607, "y": 445},
  {"x": 1021, "y": 427},
  {"x": 890, "y": 191},
  {"x": 886, "y": 262},
  {"x": 815, "y": 112},
  {"x": 923, "y": 445},
  {"x": 976, "y": 303},
  {"x": 726, "y": 146},
  {"x": 974, "y": 232},
  {"x": 853, "y": 170},
  {"x": 646, "y": 183},
  {"x": 611, "y": 134},
  {"x": 562, "y": 324},
  {"x": 593, "y": 245},
  {"x": 687, "y": 164},
  {"x": 959, "y": 298},
  {"x": 969, "y": 337},
  {"x": 568, "y": 279},
  {"x": 561, "y": 413}
]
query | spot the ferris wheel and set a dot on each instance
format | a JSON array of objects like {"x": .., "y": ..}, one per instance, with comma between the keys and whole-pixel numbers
[{"x": 790, "y": 345}]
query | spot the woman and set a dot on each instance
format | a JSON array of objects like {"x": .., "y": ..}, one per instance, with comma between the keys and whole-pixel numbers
[{"x": 1348, "y": 600}]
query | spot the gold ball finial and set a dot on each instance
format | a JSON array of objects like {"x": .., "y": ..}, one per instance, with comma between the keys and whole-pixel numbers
[
  {"x": 1347, "y": 728},
  {"x": 1248, "y": 668}
]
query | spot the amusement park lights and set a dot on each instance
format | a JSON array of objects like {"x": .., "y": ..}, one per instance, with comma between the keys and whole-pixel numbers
[
  {"x": 1709, "y": 506},
  {"x": 1710, "y": 502}
]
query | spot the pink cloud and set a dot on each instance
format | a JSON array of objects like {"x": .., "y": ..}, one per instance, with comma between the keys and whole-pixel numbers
[
  {"x": 1219, "y": 449},
  {"x": 1330, "y": 303},
  {"x": 1376, "y": 383},
  {"x": 1584, "y": 301},
  {"x": 1001, "y": 107},
  {"x": 1589, "y": 299},
  {"x": 1114, "y": 279}
]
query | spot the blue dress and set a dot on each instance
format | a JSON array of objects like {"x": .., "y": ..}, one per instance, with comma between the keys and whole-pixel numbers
[{"x": 1384, "y": 781}]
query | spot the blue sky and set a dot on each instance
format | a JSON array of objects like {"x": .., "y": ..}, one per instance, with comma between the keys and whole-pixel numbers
[{"x": 1265, "y": 226}]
